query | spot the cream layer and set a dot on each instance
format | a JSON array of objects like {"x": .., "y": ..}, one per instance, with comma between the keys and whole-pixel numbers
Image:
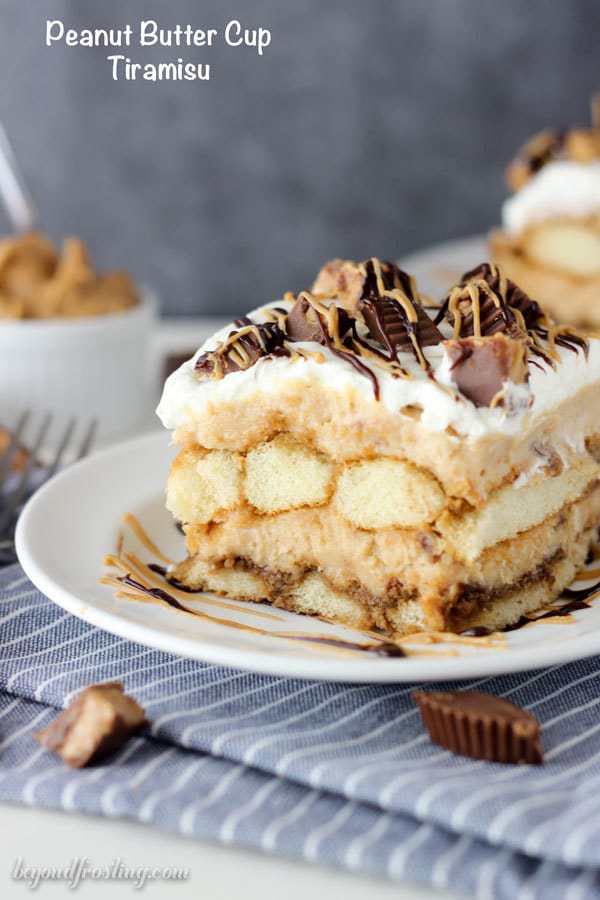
[{"x": 390, "y": 566}]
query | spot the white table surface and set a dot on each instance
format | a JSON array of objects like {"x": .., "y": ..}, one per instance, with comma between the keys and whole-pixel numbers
[
  {"x": 48, "y": 838},
  {"x": 51, "y": 838}
]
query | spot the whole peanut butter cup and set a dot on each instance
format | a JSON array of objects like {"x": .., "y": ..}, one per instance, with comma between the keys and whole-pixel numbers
[{"x": 481, "y": 726}]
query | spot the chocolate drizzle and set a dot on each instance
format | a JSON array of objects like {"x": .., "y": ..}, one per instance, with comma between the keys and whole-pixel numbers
[
  {"x": 313, "y": 320},
  {"x": 582, "y": 594},
  {"x": 578, "y": 601},
  {"x": 360, "y": 367},
  {"x": 374, "y": 314},
  {"x": 376, "y": 648},
  {"x": 558, "y": 613},
  {"x": 156, "y": 593},
  {"x": 178, "y": 585},
  {"x": 513, "y": 298}
]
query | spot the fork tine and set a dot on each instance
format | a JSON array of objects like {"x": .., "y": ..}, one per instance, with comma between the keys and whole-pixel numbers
[
  {"x": 64, "y": 442},
  {"x": 14, "y": 499},
  {"x": 88, "y": 439},
  {"x": 7, "y": 456}
]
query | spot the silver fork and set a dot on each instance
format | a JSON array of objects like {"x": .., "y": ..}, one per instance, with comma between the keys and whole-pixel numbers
[{"x": 33, "y": 474}]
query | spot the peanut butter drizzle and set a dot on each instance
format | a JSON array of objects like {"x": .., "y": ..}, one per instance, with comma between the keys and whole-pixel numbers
[
  {"x": 330, "y": 314},
  {"x": 141, "y": 534},
  {"x": 130, "y": 588},
  {"x": 237, "y": 351},
  {"x": 472, "y": 291},
  {"x": 272, "y": 314},
  {"x": 493, "y": 641},
  {"x": 139, "y": 582}
]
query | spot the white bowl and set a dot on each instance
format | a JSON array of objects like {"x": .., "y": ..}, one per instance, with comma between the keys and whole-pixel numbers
[{"x": 95, "y": 367}]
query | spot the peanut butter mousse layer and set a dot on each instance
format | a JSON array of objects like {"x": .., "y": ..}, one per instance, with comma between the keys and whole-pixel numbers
[
  {"x": 550, "y": 240},
  {"x": 351, "y": 453}
]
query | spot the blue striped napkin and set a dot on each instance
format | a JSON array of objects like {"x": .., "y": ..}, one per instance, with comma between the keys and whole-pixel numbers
[{"x": 331, "y": 773}]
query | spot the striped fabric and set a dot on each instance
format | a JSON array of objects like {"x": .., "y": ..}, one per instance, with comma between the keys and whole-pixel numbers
[{"x": 336, "y": 774}]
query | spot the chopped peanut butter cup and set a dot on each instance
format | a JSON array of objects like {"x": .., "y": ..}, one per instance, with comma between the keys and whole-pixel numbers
[
  {"x": 481, "y": 726},
  {"x": 481, "y": 367},
  {"x": 99, "y": 721},
  {"x": 510, "y": 293},
  {"x": 310, "y": 320},
  {"x": 241, "y": 350},
  {"x": 391, "y": 323}
]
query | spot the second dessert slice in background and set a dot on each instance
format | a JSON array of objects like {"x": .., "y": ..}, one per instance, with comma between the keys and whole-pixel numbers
[{"x": 550, "y": 241}]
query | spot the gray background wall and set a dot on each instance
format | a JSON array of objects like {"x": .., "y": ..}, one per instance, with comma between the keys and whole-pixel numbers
[{"x": 367, "y": 127}]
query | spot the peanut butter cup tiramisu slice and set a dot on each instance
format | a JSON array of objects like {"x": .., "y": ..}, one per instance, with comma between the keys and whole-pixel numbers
[
  {"x": 550, "y": 239},
  {"x": 349, "y": 453}
]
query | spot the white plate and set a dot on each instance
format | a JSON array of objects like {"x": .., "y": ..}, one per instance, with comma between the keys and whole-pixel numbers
[{"x": 72, "y": 522}]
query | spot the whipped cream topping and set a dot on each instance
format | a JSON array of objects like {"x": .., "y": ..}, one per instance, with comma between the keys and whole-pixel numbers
[
  {"x": 561, "y": 188},
  {"x": 185, "y": 396}
]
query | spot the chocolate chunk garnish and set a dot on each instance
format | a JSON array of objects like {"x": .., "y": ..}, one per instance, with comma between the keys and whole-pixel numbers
[
  {"x": 384, "y": 297},
  {"x": 399, "y": 322},
  {"x": 99, "y": 720},
  {"x": 481, "y": 726},
  {"x": 481, "y": 366},
  {"x": 485, "y": 303},
  {"x": 388, "y": 324},
  {"x": 472, "y": 308},
  {"x": 510, "y": 293},
  {"x": 241, "y": 350},
  {"x": 344, "y": 279},
  {"x": 392, "y": 277},
  {"x": 351, "y": 281},
  {"x": 306, "y": 323}
]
